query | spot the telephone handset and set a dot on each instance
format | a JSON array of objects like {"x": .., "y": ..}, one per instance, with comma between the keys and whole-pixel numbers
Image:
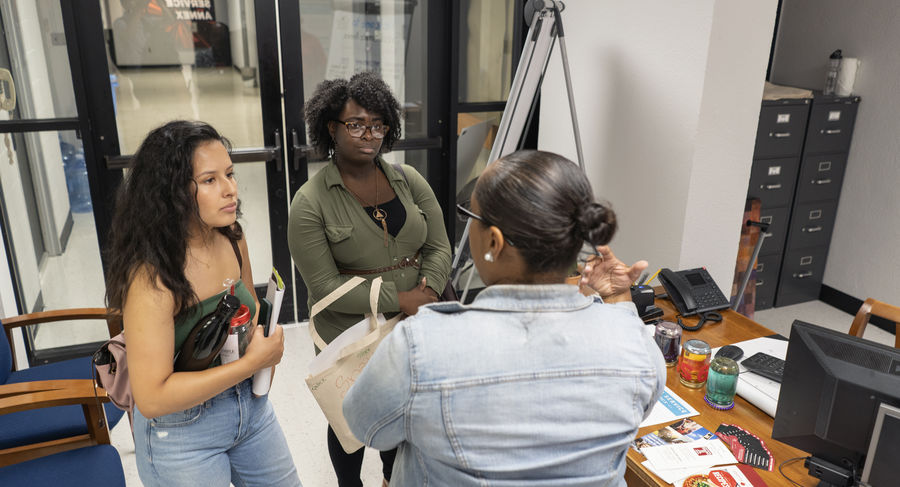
[{"x": 693, "y": 291}]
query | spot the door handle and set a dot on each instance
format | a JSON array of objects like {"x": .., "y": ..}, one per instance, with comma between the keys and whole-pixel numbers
[
  {"x": 803, "y": 275},
  {"x": 300, "y": 150},
  {"x": 822, "y": 181},
  {"x": 812, "y": 229},
  {"x": 7, "y": 95},
  {"x": 237, "y": 156},
  {"x": 279, "y": 160}
]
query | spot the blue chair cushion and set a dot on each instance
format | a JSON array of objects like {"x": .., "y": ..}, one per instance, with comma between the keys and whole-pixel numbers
[
  {"x": 45, "y": 424},
  {"x": 89, "y": 466}
]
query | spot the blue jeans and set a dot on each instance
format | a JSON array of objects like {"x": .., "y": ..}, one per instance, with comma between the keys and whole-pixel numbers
[{"x": 231, "y": 438}]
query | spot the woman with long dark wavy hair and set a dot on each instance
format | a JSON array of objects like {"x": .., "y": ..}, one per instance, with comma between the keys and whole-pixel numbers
[{"x": 175, "y": 249}]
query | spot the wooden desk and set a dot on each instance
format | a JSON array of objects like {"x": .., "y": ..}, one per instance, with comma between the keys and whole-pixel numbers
[{"x": 734, "y": 328}]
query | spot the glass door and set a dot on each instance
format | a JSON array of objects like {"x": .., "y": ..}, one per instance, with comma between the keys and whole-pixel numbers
[
  {"x": 214, "y": 61},
  {"x": 406, "y": 42},
  {"x": 46, "y": 208}
]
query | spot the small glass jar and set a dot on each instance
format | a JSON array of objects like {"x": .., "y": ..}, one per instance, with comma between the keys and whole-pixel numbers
[
  {"x": 693, "y": 365},
  {"x": 668, "y": 338},
  {"x": 238, "y": 336},
  {"x": 721, "y": 384}
]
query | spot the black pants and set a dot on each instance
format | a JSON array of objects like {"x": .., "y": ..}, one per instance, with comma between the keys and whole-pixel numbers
[{"x": 347, "y": 466}]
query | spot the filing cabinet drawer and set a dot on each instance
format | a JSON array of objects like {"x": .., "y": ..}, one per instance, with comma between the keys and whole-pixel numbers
[
  {"x": 831, "y": 124},
  {"x": 801, "y": 276},
  {"x": 767, "y": 267},
  {"x": 772, "y": 181},
  {"x": 781, "y": 129},
  {"x": 777, "y": 218},
  {"x": 821, "y": 177},
  {"x": 765, "y": 295},
  {"x": 811, "y": 224}
]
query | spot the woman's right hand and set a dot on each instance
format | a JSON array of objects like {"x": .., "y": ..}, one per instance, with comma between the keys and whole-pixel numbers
[
  {"x": 415, "y": 297},
  {"x": 265, "y": 351}
]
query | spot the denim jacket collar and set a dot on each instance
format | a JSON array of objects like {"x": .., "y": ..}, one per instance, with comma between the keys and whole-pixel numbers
[{"x": 530, "y": 297}]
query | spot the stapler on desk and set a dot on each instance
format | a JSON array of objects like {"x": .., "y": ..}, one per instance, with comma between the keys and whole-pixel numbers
[{"x": 642, "y": 297}]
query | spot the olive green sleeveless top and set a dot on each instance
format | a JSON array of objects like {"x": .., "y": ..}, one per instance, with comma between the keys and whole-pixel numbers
[{"x": 184, "y": 325}]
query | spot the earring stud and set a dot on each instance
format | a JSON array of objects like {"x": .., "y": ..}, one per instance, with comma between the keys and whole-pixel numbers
[{"x": 488, "y": 256}]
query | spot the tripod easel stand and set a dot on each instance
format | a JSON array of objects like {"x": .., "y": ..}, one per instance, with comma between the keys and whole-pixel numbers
[{"x": 545, "y": 27}]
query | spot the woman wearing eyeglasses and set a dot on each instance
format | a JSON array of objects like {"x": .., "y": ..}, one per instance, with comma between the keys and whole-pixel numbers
[
  {"x": 533, "y": 383},
  {"x": 360, "y": 215},
  {"x": 175, "y": 249}
]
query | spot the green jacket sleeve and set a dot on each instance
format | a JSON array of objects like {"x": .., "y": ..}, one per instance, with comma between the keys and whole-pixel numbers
[{"x": 436, "y": 250}]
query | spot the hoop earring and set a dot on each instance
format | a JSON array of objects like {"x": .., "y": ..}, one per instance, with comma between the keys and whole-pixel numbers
[{"x": 489, "y": 257}]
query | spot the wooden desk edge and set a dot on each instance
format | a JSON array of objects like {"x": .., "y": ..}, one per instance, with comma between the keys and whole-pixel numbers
[{"x": 734, "y": 328}]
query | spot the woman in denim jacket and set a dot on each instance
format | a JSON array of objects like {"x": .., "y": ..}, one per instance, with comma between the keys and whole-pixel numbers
[{"x": 533, "y": 383}]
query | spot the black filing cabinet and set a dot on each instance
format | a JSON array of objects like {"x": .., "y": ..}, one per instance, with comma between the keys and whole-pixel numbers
[
  {"x": 773, "y": 177},
  {"x": 798, "y": 167}
]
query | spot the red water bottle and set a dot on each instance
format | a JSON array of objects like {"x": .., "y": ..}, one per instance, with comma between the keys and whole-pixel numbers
[{"x": 238, "y": 336}]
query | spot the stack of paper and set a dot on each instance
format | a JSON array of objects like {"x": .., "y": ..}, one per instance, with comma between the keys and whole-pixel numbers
[
  {"x": 668, "y": 408},
  {"x": 677, "y": 461}
]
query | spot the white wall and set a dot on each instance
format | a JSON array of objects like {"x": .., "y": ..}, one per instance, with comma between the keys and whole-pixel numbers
[
  {"x": 668, "y": 98},
  {"x": 862, "y": 260}
]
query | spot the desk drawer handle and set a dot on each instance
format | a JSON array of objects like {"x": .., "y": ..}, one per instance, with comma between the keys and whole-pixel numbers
[
  {"x": 779, "y": 135},
  {"x": 822, "y": 181},
  {"x": 771, "y": 186},
  {"x": 811, "y": 229},
  {"x": 830, "y": 131},
  {"x": 768, "y": 234},
  {"x": 803, "y": 275},
  {"x": 759, "y": 282}
]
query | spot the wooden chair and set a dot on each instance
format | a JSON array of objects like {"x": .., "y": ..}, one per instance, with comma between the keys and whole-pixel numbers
[
  {"x": 883, "y": 310},
  {"x": 68, "y": 382},
  {"x": 34, "y": 395},
  {"x": 83, "y": 460}
]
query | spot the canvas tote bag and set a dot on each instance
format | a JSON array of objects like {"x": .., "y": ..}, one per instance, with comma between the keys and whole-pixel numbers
[{"x": 333, "y": 371}]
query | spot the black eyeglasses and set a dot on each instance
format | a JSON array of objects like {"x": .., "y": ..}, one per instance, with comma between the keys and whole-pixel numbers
[
  {"x": 467, "y": 213},
  {"x": 356, "y": 129}
]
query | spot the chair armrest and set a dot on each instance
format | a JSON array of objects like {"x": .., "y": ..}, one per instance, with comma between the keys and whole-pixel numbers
[
  {"x": 40, "y": 394},
  {"x": 17, "y": 388},
  {"x": 113, "y": 323}
]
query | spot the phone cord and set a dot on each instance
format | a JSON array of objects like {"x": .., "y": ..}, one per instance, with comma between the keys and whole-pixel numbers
[{"x": 704, "y": 317}]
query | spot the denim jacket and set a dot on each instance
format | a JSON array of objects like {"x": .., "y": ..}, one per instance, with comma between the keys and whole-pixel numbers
[{"x": 528, "y": 385}]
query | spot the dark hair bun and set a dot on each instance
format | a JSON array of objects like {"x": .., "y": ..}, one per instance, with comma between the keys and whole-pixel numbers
[{"x": 596, "y": 223}]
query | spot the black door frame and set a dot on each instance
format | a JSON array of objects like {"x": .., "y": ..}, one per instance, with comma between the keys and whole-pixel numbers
[
  {"x": 103, "y": 153},
  {"x": 284, "y": 132},
  {"x": 436, "y": 143}
]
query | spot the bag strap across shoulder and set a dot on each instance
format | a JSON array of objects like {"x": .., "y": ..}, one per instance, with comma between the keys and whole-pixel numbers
[{"x": 237, "y": 253}]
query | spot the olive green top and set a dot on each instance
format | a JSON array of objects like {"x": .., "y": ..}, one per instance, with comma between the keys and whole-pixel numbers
[
  {"x": 328, "y": 229},
  {"x": 185, "y": 324}
]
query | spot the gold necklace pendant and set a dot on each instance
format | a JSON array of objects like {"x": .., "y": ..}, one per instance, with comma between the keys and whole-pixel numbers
[{"x": 379, "y": 214}]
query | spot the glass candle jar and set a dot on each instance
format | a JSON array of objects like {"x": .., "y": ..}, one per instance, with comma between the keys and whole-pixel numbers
[
  {"x": 668, "y": 338},
  {"x": 721, "y": 384},
  {"x": 693, "y": 365}
]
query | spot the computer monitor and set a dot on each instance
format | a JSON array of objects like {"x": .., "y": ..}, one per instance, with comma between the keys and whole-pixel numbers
[{"x": 831, "y": 392}]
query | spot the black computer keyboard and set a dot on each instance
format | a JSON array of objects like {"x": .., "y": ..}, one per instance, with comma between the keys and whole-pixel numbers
[{"x": 765, "y": 365}]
